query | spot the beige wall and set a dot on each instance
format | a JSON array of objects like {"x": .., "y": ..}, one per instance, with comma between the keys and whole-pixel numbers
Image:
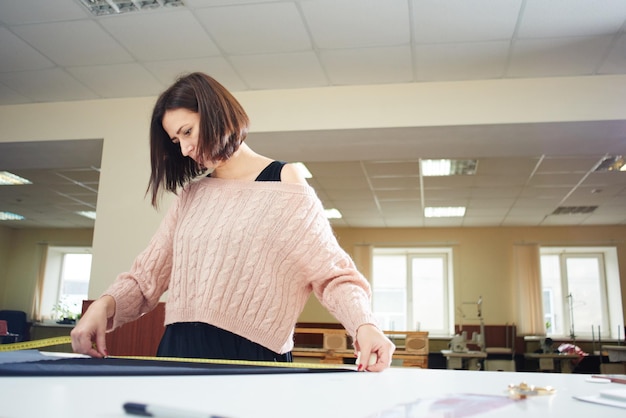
[
  {"x": 126, "y": 221},
  {"x": 5, "y": 248},
  {"x": 23, "y": 261},
  {"x": 483, "y": 257}
]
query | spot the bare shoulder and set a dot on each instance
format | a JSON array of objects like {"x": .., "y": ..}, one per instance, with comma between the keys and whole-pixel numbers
[{"x": 290, "y": 174}]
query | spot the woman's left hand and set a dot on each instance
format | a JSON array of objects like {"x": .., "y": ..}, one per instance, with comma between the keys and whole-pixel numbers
[{"x": 370, "y": 340}]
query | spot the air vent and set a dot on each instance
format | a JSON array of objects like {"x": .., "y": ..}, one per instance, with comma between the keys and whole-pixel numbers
[
  {"x": 574, "y": 210},
  {"x": 113, "y": 7}
]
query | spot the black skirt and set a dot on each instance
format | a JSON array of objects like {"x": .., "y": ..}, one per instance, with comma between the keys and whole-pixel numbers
[{"x": 201, "y": 340}]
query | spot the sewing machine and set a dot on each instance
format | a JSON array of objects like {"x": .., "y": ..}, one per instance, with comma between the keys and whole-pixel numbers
[{"x": 458, "y": 343}]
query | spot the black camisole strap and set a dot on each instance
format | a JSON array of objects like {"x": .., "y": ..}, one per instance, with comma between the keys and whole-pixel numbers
[{"x": 271, "y": 172}]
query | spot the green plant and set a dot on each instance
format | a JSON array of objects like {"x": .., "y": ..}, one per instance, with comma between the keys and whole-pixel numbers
[{"x": 65, "y": 310}]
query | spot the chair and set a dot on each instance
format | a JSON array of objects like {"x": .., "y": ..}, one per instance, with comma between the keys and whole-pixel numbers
[{"x": 17, "y": 324}]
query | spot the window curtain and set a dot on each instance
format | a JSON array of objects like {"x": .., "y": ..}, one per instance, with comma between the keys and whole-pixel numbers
[
  {"x": 38, "y": 297},
  {"x": 527, "y": 275}
]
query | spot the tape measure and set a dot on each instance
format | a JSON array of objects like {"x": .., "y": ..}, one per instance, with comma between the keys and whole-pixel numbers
[
  {"x": 29, "y": 345},
  {"x": 47, "y": 342},
  {"x": 241, "y": 362}
]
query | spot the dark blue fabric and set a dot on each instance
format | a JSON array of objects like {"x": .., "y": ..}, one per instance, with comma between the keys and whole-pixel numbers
[{"x": 134, "y": 367}]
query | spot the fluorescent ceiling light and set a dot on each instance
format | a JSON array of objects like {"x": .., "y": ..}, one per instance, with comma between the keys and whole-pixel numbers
[
  {"x": 444, "y": 212},
  {"x": 87, "y": 214},
  {"x": 448, "y": 167},
  {"x": 332, "y": 213},
  {"x": 303, "y": 170},
  {"x": 10, "y": 179},
  {"x": 111, "y": 7},
  {"x": 8, "y": 216}
]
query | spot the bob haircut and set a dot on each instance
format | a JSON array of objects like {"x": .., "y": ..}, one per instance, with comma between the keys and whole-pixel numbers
[{"x": 223, "y": 127}]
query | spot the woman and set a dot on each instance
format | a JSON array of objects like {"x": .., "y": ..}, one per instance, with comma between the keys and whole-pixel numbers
[{"x": 239, "y": 251}]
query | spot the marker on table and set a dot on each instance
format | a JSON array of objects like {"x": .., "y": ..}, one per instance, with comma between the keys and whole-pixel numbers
[{"x": 157, "y": 411}]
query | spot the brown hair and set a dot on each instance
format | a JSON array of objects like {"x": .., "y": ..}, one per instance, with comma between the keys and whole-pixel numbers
[{"x": 223, "y": 127}]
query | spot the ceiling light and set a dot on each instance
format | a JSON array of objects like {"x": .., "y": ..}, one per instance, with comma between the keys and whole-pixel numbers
[
  {"x": 87, "y": 214},
  {"x": 8, "y": 216},
  {"x": 444, "y": 212},
  {"x": 448, "y": 167},
  {"x": 612, "y": 163},
  {"x": 112, "y": 7},
  {"x": 303, "y": 170},
  {"x": 332, "y": 213},
  {"x": 10, "y": 179}
]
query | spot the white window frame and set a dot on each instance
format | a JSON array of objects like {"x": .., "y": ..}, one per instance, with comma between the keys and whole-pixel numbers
[
  {"x": 52, "y": 278},
  {"x": 448, "y": 303},
  {"x": 610, "y": 290},
  {"x": 549, "y": 316}
]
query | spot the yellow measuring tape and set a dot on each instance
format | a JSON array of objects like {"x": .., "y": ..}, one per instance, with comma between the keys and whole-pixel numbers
[
  {"x": 240, "y": 362},
  {"x": 47, "y": 342},
  {"x": 29, "y": 345}
]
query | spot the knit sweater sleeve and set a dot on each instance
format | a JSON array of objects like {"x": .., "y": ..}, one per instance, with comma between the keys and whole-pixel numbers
[
  {"x": 334, "y": 278},
  {"x": 137, "y": 291}
]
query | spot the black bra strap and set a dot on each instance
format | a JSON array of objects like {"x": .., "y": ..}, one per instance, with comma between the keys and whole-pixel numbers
[{"x": 271, "y": 172}]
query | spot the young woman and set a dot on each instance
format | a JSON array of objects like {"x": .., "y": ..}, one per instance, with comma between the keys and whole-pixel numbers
[{"x": 239, "y": 251}]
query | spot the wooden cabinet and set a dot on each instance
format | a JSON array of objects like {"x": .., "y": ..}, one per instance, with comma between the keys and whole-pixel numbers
[
  {"x": 411, "y": 346},
  {"x": 415, "y": 350},
  {"x": 138, "y": 338}
]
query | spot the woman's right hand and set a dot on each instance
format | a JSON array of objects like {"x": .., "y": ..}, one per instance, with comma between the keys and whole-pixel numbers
[{"x": 88, "y": 336}]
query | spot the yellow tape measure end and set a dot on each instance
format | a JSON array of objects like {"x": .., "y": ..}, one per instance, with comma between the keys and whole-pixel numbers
[{"x": 29, "y": 345}]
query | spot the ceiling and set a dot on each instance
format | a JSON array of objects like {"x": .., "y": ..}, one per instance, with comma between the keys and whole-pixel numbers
[
  {"x": 64, "y": 176},
  {"x": 56, "y": 51}
]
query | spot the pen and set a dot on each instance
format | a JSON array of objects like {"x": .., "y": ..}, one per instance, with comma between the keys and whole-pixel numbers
[{"x": 157, "y": 411}]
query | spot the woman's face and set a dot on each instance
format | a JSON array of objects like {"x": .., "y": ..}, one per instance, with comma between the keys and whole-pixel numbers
[{"x": 183, "y": 126}]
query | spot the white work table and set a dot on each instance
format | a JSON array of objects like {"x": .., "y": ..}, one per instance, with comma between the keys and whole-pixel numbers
[{"x": 346, "y": 395}]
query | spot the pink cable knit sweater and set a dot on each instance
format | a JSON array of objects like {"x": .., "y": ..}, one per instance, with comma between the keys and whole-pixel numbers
[{"x": 244, "y": 256}]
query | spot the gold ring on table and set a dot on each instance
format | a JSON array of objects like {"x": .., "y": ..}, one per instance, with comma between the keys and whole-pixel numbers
[{"x": 523, "y": 390}]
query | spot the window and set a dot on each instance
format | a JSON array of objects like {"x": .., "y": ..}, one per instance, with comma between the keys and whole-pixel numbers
[
  {"x": 412, "y": 289},
  {"x": 548, "y": 311},
  {"x": 581, "y": 292},
  {"x": 66, "y": 281}
]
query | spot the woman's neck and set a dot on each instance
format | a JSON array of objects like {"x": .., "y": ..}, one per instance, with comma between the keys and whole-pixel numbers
[{"x": 245, "y": 164}]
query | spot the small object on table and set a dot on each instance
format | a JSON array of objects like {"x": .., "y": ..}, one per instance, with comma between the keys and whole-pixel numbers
[{"x": 523, "y": 390}]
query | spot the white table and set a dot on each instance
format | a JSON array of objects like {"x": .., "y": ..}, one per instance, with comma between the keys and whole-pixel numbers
[{"x": 348, "y": 395}]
